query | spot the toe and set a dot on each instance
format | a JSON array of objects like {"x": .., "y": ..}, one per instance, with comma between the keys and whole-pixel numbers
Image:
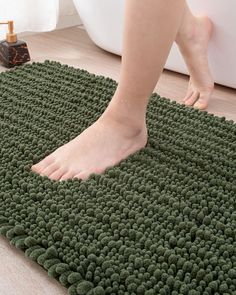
[
  {"x": 56, "y": 175},
  {"x": 201, "y": 104},
  {"x": 68, "y": 175},
  {"x": 191, "y": 100},
  {"x": 86, "y": 173},
  {"x": 49, "y": 169},
  {"x": 83, "y": 175},
  {"x": 39, "y": 167},
  {"x": 188, "y": 95},
  {"x": 203, "y": 101}
]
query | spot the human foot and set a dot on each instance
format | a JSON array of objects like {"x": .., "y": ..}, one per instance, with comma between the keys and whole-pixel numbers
[
  {"x": 104, "y": 144},
  {"x": 193, "y": 44}
]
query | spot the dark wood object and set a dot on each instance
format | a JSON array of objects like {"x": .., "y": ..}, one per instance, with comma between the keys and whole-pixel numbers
[{"x": 13, "y": 54}]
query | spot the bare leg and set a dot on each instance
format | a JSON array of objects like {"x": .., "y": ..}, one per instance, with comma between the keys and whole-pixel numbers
[
  {"x": 192, "y": 39},
  {"x": 149, "y": 32}
]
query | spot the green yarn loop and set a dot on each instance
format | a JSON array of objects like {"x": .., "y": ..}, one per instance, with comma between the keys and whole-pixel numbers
[
  {"x": 84, "y": 287},
  {"x": 74, "y": 277},
  {"x": 30, "y": 242}
]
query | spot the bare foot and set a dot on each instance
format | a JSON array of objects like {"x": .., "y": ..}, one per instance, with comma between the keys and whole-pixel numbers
[
  {"x": 104, "y": 144},
  {"x": 193, "y": 45}
]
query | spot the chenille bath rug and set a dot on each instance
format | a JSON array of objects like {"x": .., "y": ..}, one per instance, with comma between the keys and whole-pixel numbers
[{"x": 163, "y": 221}]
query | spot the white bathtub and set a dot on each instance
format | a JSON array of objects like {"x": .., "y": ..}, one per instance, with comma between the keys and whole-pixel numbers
[{"x": 103, "y": 20}]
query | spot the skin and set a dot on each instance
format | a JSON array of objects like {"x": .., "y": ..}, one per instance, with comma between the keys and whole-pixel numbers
[{"x": 150, "y": 28}]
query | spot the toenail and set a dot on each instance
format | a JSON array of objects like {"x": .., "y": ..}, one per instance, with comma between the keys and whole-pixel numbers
[{"x": 197, "y": 106}]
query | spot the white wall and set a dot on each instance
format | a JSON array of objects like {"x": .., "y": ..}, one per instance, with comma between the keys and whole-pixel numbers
[{"x": 68, "y": 15}]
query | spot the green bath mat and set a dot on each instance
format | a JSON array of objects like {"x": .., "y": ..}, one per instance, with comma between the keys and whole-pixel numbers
[{"x": 161, "y": 222}]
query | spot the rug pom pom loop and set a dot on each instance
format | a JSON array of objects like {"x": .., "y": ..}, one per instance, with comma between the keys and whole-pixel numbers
[
  {"x": 74, "y": 277},
  {"x": 51, "y": 252},
  {"x": 30, "y": 242},
  {"x": 10, "y": 234},
  {"x": 50, "y": 262},
  {"x": 52, "y": 271},
  {"x": 62, "y": 267},
  {"x": 36, "y": 253},
  {"x": 41, "y": 259},
  {"x": 72, "y": 290},
  {"x": 4, "y": 229},
  {"x": 19, "y": 229},
  {"x": 64, "y": 278},
  {"x": 20, "y": 244},
  {"x": 3, "y": 219},
  {"x": 84, "y": 287}
]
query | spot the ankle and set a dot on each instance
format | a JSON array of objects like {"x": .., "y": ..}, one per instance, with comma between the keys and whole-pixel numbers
[
  {"x": 186, "y": 33},
  {"x": 132, "y": 114},
  {"x": 131, "y": 125}
]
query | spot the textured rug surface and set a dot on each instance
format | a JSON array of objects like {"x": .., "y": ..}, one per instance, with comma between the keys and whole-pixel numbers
[{"x": 161, "y": 222}]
